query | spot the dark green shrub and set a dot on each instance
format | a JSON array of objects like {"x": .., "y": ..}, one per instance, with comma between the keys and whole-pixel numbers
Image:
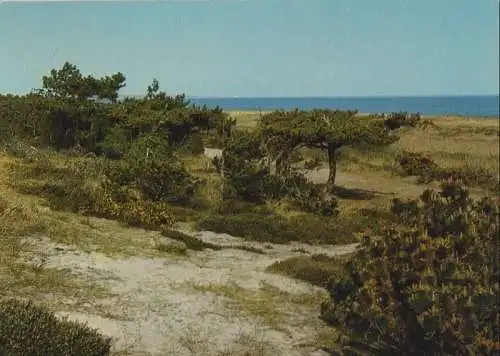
[
  {"x": 29, "y": 330},
  {"x": 429, "y": 288},
  {"x": 116, "y": 142}
]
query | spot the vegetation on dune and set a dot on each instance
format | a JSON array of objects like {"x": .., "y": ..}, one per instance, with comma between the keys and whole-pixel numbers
[{"x": 424, "y": 279}]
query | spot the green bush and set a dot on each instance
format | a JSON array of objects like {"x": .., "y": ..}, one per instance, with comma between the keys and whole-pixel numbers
[
  {"x": 29, "y": 330},
  {"x": 248, "y": 178},
  {"x": 428, "y": 288}
]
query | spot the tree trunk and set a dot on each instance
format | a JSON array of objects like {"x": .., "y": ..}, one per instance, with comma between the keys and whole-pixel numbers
[{"x": 332, "y": 163}]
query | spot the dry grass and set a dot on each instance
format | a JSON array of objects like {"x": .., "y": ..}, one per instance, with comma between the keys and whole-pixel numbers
[{"x": 268, "y": 304}]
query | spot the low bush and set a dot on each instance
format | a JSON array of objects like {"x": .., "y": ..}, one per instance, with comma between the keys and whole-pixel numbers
[
  {"x": 426, "y": 287},
  {"x": 29, "y": 330},
  {"x": 416, "y": 164}
]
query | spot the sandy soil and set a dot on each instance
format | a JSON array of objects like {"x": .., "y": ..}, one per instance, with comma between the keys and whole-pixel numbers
[{"x": 170, "y": 305}]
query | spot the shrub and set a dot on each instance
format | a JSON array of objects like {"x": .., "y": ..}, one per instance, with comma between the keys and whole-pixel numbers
[
  {"x": 26, "y": 329},
  {"x": 399, "y": 119},
  {"x": 428, "y": 288},
  {"x": 416, "y": 164}
]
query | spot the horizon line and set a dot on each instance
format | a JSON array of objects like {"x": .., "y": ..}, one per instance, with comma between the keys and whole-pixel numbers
[{"x": 328, "y": 96}]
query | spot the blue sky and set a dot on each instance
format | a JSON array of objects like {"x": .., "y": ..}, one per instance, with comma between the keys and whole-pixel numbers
[{"x": 259, "y": 47}]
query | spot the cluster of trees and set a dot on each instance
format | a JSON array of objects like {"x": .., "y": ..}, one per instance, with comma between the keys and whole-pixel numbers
[
  {"x": 72, "y": 110},
  {"x": 257, "y": 165}
]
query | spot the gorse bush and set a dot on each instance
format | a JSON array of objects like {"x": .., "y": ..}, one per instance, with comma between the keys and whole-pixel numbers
[
  {"x": 29, "y": 330},
  {"x": 429, "y": 288}
]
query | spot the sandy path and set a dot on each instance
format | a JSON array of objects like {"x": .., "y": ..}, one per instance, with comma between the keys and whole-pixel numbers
[{"x": 166, "y": 306}]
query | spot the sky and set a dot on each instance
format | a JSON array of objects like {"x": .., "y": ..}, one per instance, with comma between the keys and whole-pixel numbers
[{"x": 259, "y": 48}]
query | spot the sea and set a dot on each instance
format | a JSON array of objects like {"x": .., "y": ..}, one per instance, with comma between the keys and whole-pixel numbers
[{"x": 466, "y": 106}]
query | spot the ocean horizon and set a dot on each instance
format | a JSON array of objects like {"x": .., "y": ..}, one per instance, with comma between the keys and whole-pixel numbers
[{"x": 471, "y": 106}]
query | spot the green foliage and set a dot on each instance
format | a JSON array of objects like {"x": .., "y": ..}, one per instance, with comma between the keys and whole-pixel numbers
[
  {"x": 247, "y": 177},
  {"x": 428, "y": 288},
  {"x": 63, "y": 114},
  {"x": 307, "y": 196},
  {"x": 68, "y": 82},
  {"x": 26, "y": 329},
  {"x": 329, "y": 130},
  {"x": 244, "y": 168}
]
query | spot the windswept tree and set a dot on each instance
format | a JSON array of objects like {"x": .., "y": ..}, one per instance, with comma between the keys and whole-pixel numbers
[{"x": 329, "y": 130}]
